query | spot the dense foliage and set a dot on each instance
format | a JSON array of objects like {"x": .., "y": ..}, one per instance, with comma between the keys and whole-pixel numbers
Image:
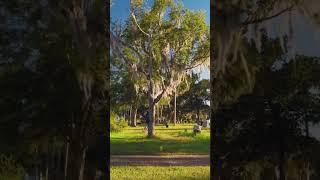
[
  {"x": 117, "y": 124},
  {"x": 266, "y": 130},
  {"x": 54, "y": 85}
]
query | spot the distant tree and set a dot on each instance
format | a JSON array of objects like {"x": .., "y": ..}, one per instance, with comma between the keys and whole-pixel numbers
[{"x": 196, "y": 99}]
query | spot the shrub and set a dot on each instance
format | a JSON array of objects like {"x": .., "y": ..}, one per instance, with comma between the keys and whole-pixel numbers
[
  {"x": 9, "y": 169},
  {"x": 117, "y": 124}
]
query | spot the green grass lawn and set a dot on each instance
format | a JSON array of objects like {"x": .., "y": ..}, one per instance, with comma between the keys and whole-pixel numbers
[
  {"x": 177, "y": 139},
  {"x": 162, "y": 173}
]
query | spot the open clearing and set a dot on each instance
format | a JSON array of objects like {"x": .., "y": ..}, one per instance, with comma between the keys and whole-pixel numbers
[
  {"x": 175, "y": 153},
  {"x": 175, "y": 140}
]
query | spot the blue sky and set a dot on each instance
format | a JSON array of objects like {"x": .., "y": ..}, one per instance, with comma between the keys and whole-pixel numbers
[
  {"x": 306, "y": 37},
  {"x": 120, "y": 8},
  {"x": 120, "y": 12}
]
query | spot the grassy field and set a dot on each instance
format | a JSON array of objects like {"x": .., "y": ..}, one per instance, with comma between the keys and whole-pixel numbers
[
  {"x": 177, "y": 139},
  {"x": 162, "y": 173}
]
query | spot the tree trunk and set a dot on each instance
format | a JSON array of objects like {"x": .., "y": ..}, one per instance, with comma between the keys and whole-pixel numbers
[
  {"x": 307, "y": 169},
  {"x": 134, "y": 119},
  {"x": 308, "y": 173},
  {"x": 37, "y": 171},
  {"x": 282, "y": 171},
  {"x": 150, "y": 124},
  {"x": 133, "y": 113},
  {"x": 154, "y": 115},
  {"x": 150, "y": 93},
  {"x": 66, "y": 160},
  {"x": 47, "y": 167},
  {"x": 158, "y": 115},
  {"x": 49, "y": 159},
  {"x": 175, "y": 108},
  {"x": 82, "y": 164},
  {"x": 76, "y": 160},
  {"x": 151, "y": 112},
  {"x": 161, "y": 117},
  {"x": 276, "y": 108},
  {"x": 306, "y": 127},
  {"x": 198, "y": 115},
  {"x": 58, "y": 166},
  {"x": 130, "y": 116}
]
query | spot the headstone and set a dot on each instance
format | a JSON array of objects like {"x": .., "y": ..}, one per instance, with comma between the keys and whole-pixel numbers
[
  {"x": 166, "y": 124},
  {"x": 196, "y": 128},
  {"x": 206, "y": 123},
  {"x": 146, "y": 128}
]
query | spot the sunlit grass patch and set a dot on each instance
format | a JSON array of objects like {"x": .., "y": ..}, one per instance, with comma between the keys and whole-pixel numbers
[
  {"x": 177, "y": 139},
  {"x": 160, "y": 173}
]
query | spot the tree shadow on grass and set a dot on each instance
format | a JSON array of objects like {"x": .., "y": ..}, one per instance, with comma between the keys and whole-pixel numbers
[
  {"x": 173, "y": 129},
  {"x": 158, "y": 146},
  {"x": 195, "y": 178}
]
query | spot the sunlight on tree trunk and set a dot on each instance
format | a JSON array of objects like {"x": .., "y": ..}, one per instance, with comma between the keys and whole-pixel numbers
[
  {"x": 175, "y": 107},
  {"x": 133, "y": 119}
]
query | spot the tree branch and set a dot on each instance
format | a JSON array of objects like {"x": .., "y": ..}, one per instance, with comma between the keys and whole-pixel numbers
[
  {"x": 135, "y": 20},
  {"x": 196, "y": 65},
  {"x": 115, "y": 42},
  {"x": 259, "y": 20},
  {"x": 157, "y": 99}
]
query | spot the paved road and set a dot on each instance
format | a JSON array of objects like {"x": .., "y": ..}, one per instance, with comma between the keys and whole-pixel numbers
[{"x": 150, "y": 160}]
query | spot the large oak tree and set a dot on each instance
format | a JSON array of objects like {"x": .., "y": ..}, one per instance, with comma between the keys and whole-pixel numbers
[{"x": 159, "y": 46}]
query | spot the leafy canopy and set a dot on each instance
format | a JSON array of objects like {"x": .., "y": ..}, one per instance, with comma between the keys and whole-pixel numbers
[{"x": 174, "y": 38}]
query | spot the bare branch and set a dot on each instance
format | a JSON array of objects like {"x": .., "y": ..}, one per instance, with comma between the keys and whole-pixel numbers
[
  {"x": 197, "y": 65},
  {"x": 259, "y": 20},
  {"x": 135, "y": 20},
  {"x": 157, "y": 99}
]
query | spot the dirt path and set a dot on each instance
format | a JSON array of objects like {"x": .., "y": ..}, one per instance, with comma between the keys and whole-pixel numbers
[{"x": 150, "y": 160}]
